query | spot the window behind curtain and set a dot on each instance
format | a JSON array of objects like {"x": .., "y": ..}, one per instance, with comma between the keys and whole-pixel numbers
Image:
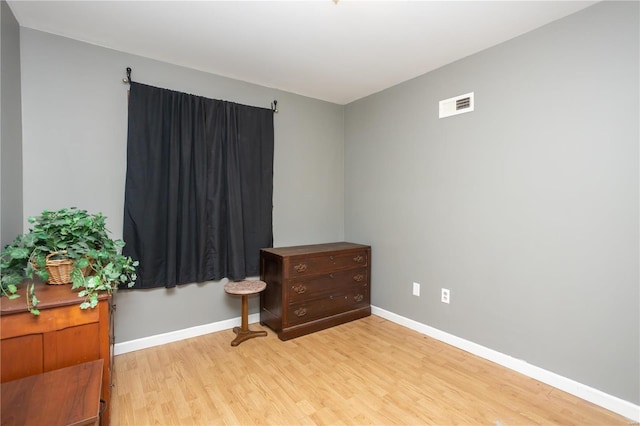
[{"x": 199, "y": 187}]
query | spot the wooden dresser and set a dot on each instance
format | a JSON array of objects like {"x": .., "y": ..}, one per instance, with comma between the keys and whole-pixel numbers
[
  {"x": 61, "y": 336},
  {"x": 313, "y": 287}
]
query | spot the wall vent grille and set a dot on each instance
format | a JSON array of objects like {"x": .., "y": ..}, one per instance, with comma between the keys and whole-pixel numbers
[
  {"x": 463, "y": 103},
  {"x": 456, "y": 105}
]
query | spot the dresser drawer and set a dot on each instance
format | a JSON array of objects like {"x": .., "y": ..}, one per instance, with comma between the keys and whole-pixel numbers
[
  {"x": 327, "y": 305},
  {"x": 326, "y": 263},
  {"x": 317, "y": 286}
]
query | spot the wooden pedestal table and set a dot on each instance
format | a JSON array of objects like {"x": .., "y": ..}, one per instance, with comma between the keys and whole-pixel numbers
[{"x": 244, "y": 289}]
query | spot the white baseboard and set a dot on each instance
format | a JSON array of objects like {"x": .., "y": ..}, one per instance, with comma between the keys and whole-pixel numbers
[
  {"x": 174, "y": 336},
  {"x": 611, "y": 403}
]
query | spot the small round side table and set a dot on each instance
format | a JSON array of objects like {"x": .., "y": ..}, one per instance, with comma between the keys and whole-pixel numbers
[{"x": 245, "y": 288}]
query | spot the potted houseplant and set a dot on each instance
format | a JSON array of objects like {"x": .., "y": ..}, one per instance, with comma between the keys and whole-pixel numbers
[{"x": 71, "y": 237}]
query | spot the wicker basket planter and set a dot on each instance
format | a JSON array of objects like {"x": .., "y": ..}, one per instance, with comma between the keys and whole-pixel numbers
[
  {"x": 40, "y": 254},
  {"x": 59, "y": 269}
]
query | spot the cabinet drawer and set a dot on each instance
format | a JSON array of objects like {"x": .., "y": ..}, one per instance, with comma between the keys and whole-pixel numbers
[
  {"x": 318, "y": 286},
  {"x": 48, "y": 320},
  {"x": 327, "y": 263},
  {"x": 327, "y": 305}
]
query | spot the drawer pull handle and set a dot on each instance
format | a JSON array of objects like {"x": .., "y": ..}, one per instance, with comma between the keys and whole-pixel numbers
[
  {"x": 300, "y": 312},
  {"x": 301, "y": 267},
  {"x": 331, "y": 258},
  {"x": 358, "y": 278},
  {"x": 334, "y": 298},
  {"x": 358, "y": 259},
  {"x": 358, "y": 297},
  {"x": 299, "y": 288}
]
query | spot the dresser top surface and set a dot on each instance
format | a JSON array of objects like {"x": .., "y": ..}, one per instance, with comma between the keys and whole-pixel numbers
[
  {"x": 314, "y": 248},
  {"x": 50, "y": 296}
]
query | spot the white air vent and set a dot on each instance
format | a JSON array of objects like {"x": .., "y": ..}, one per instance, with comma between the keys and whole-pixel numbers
[{"x": 456, "y": 105}]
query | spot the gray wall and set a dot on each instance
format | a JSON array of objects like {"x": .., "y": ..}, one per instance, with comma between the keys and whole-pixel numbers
[
  {"x": 11, "y": 125},
  {"x": 75, "y": 116},
  {"x": 526, "y": 208}
]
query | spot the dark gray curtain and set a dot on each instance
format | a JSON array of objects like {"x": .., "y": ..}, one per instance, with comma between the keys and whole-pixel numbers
[{"x": 199, "y": 187}]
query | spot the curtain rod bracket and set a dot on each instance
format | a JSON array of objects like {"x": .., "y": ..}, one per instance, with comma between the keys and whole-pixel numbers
[
  {"x": 274, "y": 106},
  {"x": 127, "y": 79}
]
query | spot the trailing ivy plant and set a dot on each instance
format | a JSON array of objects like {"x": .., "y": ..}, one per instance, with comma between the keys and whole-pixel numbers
[
  {"x": 109, "y": 270},
  {"x": 73, "y": 234}
]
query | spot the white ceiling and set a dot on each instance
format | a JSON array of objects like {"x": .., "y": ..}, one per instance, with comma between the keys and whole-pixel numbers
[{"x": 334, "y": 52}]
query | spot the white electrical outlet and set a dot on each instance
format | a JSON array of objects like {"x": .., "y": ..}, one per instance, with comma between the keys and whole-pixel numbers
[
  {"x": 445, "y": 295},
  {"x": 416, "y": 289}
]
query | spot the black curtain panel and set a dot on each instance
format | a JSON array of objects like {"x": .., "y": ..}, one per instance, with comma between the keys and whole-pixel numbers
[{"x": 199, "y": 187}]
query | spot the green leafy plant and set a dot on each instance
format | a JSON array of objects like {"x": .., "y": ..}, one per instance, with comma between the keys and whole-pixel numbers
[{"x": 70, "y": 233}]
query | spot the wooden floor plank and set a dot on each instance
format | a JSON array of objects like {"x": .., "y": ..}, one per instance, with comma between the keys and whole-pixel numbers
[{"x": 369, "y": 371}]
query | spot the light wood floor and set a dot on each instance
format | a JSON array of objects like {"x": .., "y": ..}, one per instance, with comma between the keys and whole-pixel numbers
[{"x": 369, "y": 371}]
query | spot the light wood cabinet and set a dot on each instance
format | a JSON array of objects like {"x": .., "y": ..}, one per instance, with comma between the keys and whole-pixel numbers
[
  {"x": 313, "y": 287},
  {"x": 61, "y": 336}
]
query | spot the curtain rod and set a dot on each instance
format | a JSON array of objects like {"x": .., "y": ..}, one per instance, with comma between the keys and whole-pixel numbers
[{"x": 127, "y": 80}]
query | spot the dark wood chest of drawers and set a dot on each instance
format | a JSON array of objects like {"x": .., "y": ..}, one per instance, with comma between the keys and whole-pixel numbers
[{"x": 313, "y": 287}]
